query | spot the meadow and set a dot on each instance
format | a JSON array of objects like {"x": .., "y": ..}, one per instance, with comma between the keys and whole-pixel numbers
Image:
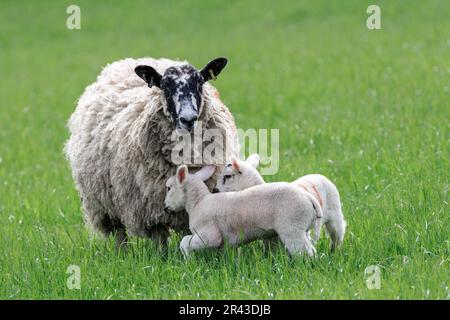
[{"x": 367, "y": 108}]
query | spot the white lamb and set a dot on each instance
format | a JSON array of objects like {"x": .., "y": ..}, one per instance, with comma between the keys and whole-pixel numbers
[
  {"x": 243, "y": 216},
  {"x": 239, "y": 175}
]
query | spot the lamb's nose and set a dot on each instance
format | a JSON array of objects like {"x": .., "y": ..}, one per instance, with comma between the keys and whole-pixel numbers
[{"x": 188, "y": 121}]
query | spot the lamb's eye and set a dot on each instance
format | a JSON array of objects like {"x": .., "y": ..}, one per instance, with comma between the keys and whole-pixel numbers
[
  {"x": 228, "y": 165},
  {"x": 168, "y": 188},
  {"x": 225, "y": 177}
]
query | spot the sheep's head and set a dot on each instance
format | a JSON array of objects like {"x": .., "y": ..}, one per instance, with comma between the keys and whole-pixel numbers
[
  {"x": 175, "y": 200},
  {"x": 239, "y": 175},
  {"x": 182, "y": 87}
]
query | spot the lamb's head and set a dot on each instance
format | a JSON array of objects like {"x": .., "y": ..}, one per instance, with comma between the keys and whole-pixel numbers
[
  {"x": 239, "y": 175},
  {"x": 176, "y": 185},
  {"x": 182, "y": 86}
]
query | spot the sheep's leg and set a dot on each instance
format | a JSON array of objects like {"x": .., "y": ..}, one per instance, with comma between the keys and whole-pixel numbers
[
  {"x": 159, "y": 234},
  {"x": 121, "y": 239},
  {"x": 97, "y": 217},
  {"x": 195, "y": 242},
  {"x": 101, "y": 222}
]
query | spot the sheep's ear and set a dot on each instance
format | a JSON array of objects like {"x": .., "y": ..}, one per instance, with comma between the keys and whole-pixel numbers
[
  {"x": 149, "y": 75},
  {"x": 254, "y": 160},
  {"x": 205, "y": 173},
  {"x": 235, "y": 164},
  {"x": 213, "y": 68},
  {"x": 182, "y": 173}
]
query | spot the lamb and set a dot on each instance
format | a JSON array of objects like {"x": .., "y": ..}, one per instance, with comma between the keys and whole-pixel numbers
[
  {"x": 123, "y": 133},
  {"x": 240, "y": 175},
  {"x": 243, "y": 216}
]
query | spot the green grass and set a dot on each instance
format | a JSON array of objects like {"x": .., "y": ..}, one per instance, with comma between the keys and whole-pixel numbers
[{"x": 368, "y": 109}]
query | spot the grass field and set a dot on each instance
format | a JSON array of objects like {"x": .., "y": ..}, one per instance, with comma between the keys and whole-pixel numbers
[{"x": 368, "y": 108}]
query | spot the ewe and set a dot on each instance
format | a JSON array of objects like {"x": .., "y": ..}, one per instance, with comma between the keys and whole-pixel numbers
[
  {"x": 240, "y": 175},
  {"x": 239, "y": 217},
  {"x": 120, "y": 145}
]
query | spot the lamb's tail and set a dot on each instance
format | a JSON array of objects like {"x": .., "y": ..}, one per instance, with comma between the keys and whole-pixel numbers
[{"x": 318, "y": 218}]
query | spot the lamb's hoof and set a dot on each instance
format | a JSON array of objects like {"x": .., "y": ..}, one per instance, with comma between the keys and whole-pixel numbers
[
  {"x": 184, "y": 250},
  {"x": 185, "y": 254}
]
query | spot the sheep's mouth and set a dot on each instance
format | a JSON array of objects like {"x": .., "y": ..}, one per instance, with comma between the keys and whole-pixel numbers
[
  {"x": 182, "y": 129},
  {"x": 168, "y": 210}
]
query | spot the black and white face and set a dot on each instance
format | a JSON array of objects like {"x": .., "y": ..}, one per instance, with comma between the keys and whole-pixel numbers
[{"x": 182, "y": 87}]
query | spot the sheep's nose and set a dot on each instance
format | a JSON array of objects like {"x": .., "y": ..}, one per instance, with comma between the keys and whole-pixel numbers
[
  {"x": 188, "y": 121},
  {"x": 215, "y": 190}
]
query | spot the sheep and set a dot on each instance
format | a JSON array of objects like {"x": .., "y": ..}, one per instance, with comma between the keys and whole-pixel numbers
[
  {"x": 239, "y": 175},
  {"x": 122, "y": 136},
  {"x": 242, "y": 216}
]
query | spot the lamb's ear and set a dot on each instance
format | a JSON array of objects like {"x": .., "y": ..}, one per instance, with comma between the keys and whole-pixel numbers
[
  {"x": 149, "y": 75},
  {"x": 205, "y": 173},
  {"x": 254, "y": 160},
  {"x": 213, "y": 68},
  {"x": 235, "y": 164},
  {"x": 182, "y": 173}
]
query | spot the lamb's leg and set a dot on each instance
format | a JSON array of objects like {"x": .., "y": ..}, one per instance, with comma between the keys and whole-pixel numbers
[
  {"x": 297, "y": 242},
  {"x": 271, "y": 243},
  {"x": 336, "y": 229},
  {"x": 316, "y": 232},
  {"x": 195, "y": 242}
]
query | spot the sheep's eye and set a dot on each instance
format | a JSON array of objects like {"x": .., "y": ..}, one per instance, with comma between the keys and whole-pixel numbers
[
  {"x": 168, "y": 188},
  {"x": 228, "y": 165}
]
